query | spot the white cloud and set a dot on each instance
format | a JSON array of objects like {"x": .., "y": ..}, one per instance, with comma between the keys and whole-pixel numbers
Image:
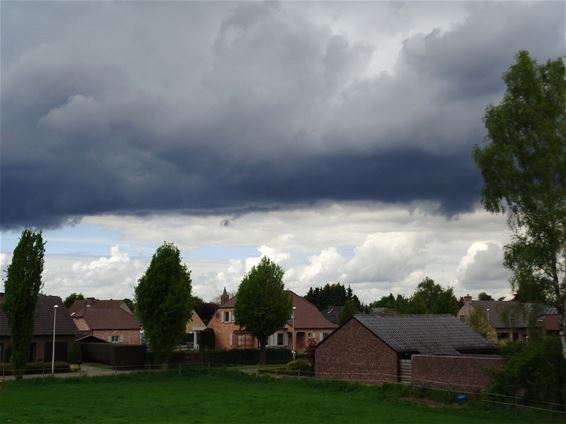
[{"x": 481, "y": 268}]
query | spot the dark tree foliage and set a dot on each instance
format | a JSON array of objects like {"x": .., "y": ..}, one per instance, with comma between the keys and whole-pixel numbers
[
  {"x": 484, "y": 296},
  {"x": 332, "y": 295},
  {"x": 534, "y": 370},
  {"x": 206, "y": 311},
  {"x": 347, "y": 311},
  {"x": 131, "y": 305},
  {"x": 21, "y": 290},
  {"x": 524, "y": 169},
  {"x": 163, "y": 301},
  {"x": 69, "y": 300},
  {"x": 262, "y": 304},
  {"x": 428, "y": 298}
]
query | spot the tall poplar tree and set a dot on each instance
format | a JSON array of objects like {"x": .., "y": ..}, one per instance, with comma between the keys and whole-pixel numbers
[
  {"x": 163, "y": 301},
  {"x": 22, "y": 285},
  {"x": 524, "y": 169}
]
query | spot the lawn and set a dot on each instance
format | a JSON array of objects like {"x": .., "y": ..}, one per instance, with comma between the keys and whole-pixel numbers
[{"x": 220, "y": 397}]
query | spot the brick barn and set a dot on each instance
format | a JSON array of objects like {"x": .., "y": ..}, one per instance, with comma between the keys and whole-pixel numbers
[{"x": 432, "y": 350}]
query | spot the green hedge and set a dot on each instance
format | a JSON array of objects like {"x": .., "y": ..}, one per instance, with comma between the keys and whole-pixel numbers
[
  {"x": 7, "y": 368},
  {"x": 119, "y": 355},
  {"x": 239, "y": 356}
]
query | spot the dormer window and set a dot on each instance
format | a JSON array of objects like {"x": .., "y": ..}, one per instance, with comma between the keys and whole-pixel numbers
[{"x": 227, "y": 316}]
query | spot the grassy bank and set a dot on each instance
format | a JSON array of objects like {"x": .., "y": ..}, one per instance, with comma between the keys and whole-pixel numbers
[{"x": 220, "y": 397}]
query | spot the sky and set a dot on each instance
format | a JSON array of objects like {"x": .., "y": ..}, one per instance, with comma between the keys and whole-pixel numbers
[{"x": 334, "y": 137}]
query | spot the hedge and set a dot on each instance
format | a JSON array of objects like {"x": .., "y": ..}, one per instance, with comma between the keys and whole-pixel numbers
[
  {"x": 7, "y": 368},
  {"x": 239, "y": 356},
  {"x": 119, "y": 355}
]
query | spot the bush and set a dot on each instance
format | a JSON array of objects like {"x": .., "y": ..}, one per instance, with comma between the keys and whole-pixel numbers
[
  {"x": 35, "y": 368},
  {"x": 246, "y": 356},
  {"x": 299, "y": 365},
  {"x": 534, "y": 370}
]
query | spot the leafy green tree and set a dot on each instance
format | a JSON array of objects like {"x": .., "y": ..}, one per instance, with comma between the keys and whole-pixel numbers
[
  {"x": 69, "y": 300},
  {"x": 446, "y": 303},
  {"x": 335, "y": 294},
  {"x": 22, "y": 285},
  {"x": 524, "y": 169},
  {"x": 534, "y": 369},
  {"x": 163, "y": 301},
  {"x": 478, "y": 322},
  {"x": 347, "y": 312},
  {"x": 262, "y": 304}
]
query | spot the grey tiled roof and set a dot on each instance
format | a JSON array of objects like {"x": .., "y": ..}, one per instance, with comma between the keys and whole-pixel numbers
[
  {"x": 510, "y": 314},
  {"x": 425, "y": 334},
  {"x": 43, "y": 324}
]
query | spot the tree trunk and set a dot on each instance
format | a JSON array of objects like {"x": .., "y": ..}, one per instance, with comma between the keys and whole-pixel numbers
[
  {"x": 262, "y": 356},
  {"x": 562, "y": 326}
]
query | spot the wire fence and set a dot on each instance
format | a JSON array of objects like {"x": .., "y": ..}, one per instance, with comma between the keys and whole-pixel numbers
[{"x": 280, "y": 371}]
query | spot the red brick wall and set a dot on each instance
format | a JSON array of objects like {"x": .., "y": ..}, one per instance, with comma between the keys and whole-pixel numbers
[
  {"x": 354, "y": 353},
  {"x": 127, "y": 336},
  {"x": 466, "y": 373}
]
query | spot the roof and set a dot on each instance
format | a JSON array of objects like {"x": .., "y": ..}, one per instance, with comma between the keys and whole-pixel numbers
[
  {"x": 105, "y": 314},
  {"x": 195, "y": 322},
  {"x": 307, "y": 316},
  {"x": 425, "y": 334},
  {"x": 506, "y": 314},
  {"x": 332, "y": 313},
  {"x": 43, "y": 324}
]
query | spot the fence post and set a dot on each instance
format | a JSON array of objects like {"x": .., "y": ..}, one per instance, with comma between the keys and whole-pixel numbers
[{"x": 179, "y": 368}]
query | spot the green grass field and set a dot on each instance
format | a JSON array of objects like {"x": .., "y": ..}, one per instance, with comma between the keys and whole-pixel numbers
[{"x": 221, "y": 397}]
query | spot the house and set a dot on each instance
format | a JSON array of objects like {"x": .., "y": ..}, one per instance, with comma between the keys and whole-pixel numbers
[
  {"x": 109, "y": 320},
  {"x": 512, "y": 321},
  {"x": 194, "y": 326},
  {"x": 418, "y": 349},
  {"x": 42, "y": 345},
  {"x": 306, "y": 324}
]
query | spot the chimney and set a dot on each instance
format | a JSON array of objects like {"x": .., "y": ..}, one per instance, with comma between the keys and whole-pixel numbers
[{"x": 467, "y": 299}]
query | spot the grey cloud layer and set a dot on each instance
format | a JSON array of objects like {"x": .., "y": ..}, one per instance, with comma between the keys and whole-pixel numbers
[{"x": 135, "y": 108}]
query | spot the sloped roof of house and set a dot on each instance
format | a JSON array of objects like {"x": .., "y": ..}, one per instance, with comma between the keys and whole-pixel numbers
[
  {"x": 105, "y": 314},
  {"x": 307, "y": 316},
  {"x": 195, "y": 322},
  {"x": 332, "y": 313},
  {"x": 43, "y": 324},
  {"x": 510, "y": 314},
  {"x": 425, "y": 334}
]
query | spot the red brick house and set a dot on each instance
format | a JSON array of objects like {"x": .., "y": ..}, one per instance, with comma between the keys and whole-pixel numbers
[
  {"x": 109, "y": 320},
  {"x": 42, "y": 345},
  {"x": 406, "y": 348},
  {"x": 308, "y": 323}
]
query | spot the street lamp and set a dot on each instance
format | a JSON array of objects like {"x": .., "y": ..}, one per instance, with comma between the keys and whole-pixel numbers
[
  {"x": 53, "y": 347},
  {"x": 293, "y": 316}
]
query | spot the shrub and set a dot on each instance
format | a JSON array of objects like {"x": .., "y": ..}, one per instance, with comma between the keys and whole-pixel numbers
[
  {"x": 534, "y": 370},
  {"x": 299, "y": 365}
]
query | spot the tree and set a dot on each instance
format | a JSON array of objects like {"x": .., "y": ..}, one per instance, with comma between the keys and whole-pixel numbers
[
  {"x": 347, "y": 311},
  {"x": 262, "y": 304},
  {"x": 335, "y": 294},
  {"x": 22, "y": 285},
  {"x": 484, "y": 296},
  {"x": 524, "y": 169},
  {"x": 69, "y": 300},
  {"x": 478, "y": 322},
  {"x": 163, "y": 301}
]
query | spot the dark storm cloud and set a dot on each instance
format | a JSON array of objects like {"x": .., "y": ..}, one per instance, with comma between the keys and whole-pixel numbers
[{"x": 245, "y": 107}]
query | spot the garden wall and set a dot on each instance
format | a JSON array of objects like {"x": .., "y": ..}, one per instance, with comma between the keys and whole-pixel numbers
[{"x": 466, "y": 373}]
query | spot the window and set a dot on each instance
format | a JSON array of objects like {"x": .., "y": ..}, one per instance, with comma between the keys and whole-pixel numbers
[
  {"x": 228, "y": 316},
  {"x": 280, "y": 339},
  {"x": 324, "y": 336},
  {"x": 114, "y": 339},
  {"x": 239, "y": 340}
]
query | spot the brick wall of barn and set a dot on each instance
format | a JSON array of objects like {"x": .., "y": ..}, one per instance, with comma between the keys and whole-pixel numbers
[
  {"x": 466, "y": 373},
  {"x": 354, "y": 353}
]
